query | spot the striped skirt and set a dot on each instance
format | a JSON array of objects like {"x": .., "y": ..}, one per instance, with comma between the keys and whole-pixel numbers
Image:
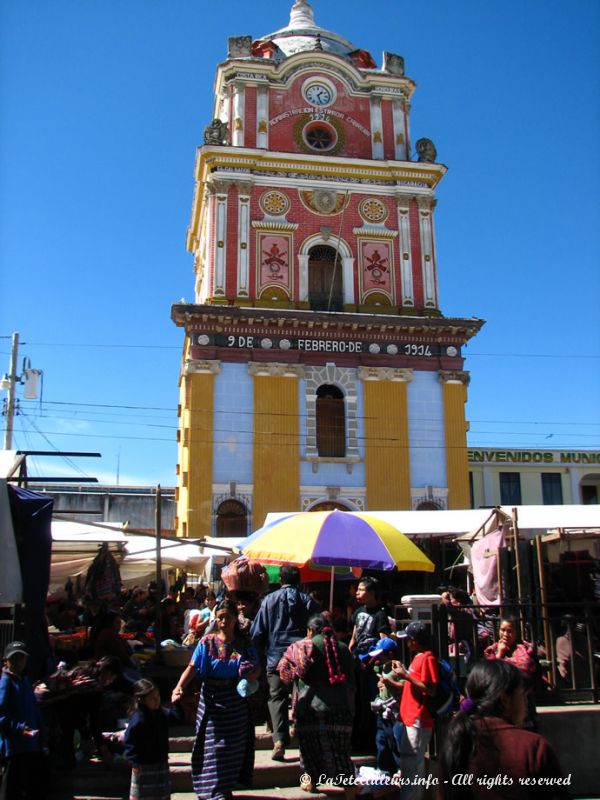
[
  {"x": 223, "y": 753},
  {"x": 324, "y": 738},
  {"x": 152, "y": 782}
]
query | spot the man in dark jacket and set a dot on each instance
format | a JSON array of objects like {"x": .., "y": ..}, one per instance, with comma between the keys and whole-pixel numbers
[{"x": 281, "y": 620}]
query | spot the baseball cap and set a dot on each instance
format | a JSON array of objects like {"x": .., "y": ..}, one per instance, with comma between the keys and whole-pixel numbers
[
  {"x": 383, "y": 646},
  {"x": 15, "y": 647},
  {"x": 417, "y": 631}
]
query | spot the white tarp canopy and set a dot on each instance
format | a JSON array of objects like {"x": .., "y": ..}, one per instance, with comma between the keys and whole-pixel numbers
[
  {"x": 460, "y": 522},
  {"x": 76, "y": 544},
  {"x": 423, "y": 523},
  {"x": 533, "y": 520},
  {"x": 544, "y": 518}
]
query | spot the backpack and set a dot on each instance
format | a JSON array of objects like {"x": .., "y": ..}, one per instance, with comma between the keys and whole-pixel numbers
[{"x": 447, "y": 697}]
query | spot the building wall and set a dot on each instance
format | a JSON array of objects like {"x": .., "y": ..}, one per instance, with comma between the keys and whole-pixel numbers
[
  {"x": 234, "y": 404},
  {"x": 135, "y": 505},
  {"x": 577, "y": 469},
  {"x": 426, "y": 427}
]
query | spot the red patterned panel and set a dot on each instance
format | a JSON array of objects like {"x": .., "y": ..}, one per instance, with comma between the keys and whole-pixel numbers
[{"x": 376, "y": 266}]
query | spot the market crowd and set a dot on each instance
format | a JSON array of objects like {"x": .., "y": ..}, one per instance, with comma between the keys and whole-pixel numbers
[{"x": 342, "y": 681}]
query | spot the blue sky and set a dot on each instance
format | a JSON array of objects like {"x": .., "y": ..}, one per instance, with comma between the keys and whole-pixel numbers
[{"x": 103, "y": 103}]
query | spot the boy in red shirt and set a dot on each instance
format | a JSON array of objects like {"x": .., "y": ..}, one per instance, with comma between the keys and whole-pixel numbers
[{"x": 420, "y": 679}]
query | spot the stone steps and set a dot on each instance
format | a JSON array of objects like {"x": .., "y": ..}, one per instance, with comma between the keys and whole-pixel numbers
[
  {"x": 272, "y": 779},
  {"x": 267, "y": 773},
  {"x": 182, "y": 739}
]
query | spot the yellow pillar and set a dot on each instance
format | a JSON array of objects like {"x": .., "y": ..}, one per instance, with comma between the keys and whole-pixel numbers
[
  {"x": 387, "y": 461},
  {"x": 457, "y": 462},
  {"x": 276, "y": 457},
  {"x": 194, "y": 501}
]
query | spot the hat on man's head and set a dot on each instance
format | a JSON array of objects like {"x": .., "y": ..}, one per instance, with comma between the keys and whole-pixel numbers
[
  {"x": 385, "y": 646},
  {"x": 15, "y": 647},
  {"x": 417, "y": 631}
]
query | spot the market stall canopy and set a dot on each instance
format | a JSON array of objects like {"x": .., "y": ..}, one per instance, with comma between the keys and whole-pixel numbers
[
  {"x": 544, "y": 518},
  {"x": 140, "y": 556},
  {"x": 76, "y": 544},
  {"x": 532, "y": 520},
  {"x": 423, "y": 523},
  {"x": 468, "y": 521}
]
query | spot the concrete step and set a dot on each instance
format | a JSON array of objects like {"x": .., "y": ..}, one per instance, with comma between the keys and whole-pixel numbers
[
  {"x": 113, "y": 782},
  {"x": 267, "y": 773},
  {"x": 182, "y": 738},
  {"x": 276, "y": 793}
]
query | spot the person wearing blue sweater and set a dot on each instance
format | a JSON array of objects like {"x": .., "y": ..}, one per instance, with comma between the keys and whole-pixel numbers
[
  {"x": 147, "y": 744},
  {"x": 22, "y": 734}
]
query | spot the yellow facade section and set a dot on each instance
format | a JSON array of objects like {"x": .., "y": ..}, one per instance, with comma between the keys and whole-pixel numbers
[
  {"x": 457, "y": 464},
  {"x": 194, "y": 503},
  {"x": 276, "y": 474},
  {"x": 387, "y": 464}
]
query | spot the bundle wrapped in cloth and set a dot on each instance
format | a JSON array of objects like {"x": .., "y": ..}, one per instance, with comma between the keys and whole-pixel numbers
[{"x": 245, "y": 575}]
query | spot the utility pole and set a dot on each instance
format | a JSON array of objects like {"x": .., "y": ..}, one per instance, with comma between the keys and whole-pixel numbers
[{"x": 9, "y": 382}]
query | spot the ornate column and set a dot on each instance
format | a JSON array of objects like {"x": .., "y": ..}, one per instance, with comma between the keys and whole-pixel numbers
[
  {"x": 303, "y": 278},
  {"x": 376, "y": 128},
  {"x": 407, "y": 296},
  {"x": 400, "y": 138},
  {"x": 387, "y": 461},
  {"x": 426, "y": 206},
  {"x": 455, "y": 384},
  {"x": 276, "y": 456},
  {"x": 348, "y": 280},
  {"x": 195, "y": 435},
  {"x": 237, "y": 123},
  {"x": 218, "y": 233},
  {"x": 243, "y": 243},
  {"x": 262, "y": 117}
]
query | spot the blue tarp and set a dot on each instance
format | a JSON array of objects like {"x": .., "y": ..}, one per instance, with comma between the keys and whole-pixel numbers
[{"x": 32, "y": 522}]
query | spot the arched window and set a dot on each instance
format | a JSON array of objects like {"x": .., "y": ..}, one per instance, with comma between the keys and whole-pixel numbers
[
  {"x": 232, "y": 519},
  {"x": 325, "y": 283},
  {"x": 331, "y": 422},
  {"x": 427, "y": 505},
  {"x": 329, "y": 505}
]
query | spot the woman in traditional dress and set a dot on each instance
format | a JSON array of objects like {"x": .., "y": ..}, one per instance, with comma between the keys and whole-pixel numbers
[
  {"x": 223, "y": 753},
  {"x": 521, "y": 655},
  {"x": 322, "y": 670}
]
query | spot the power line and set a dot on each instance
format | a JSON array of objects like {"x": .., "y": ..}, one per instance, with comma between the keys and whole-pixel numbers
[{"x": 251, "y": 412}]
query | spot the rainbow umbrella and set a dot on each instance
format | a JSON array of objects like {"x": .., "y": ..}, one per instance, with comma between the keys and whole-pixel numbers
[{"x": 335, "y": 539}]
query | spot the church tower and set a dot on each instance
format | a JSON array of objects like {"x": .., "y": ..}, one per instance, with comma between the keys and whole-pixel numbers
[{"x": 318, "y": 370}]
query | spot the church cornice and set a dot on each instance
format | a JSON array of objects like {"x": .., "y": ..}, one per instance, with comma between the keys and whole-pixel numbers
[
  {"x": 191, "y": 317},
  {"x": 261, "y": 71},
  {"x": 268, "y": 225},
  {"x": 235, "y": 164},
  {"x": 374, "y": 232},
  {"x": 224, "y": 158}
]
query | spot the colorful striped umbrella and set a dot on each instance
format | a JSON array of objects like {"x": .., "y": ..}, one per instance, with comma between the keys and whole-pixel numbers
[{"x": 335, "y": 539}]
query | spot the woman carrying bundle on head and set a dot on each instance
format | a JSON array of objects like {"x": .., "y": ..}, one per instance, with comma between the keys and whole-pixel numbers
[
  {"x": 322, "y": 669},
  {"x": 486, "y": 754}
]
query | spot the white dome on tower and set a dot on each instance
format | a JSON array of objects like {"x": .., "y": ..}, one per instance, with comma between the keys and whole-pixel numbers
[{"x": 302, "y": 34}]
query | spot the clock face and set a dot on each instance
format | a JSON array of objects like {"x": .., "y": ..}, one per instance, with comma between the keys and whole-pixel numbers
[{"x": 318, "y": 94}]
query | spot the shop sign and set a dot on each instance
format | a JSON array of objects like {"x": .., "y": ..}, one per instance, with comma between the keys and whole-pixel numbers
[{"x": 533, "y": 457}]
